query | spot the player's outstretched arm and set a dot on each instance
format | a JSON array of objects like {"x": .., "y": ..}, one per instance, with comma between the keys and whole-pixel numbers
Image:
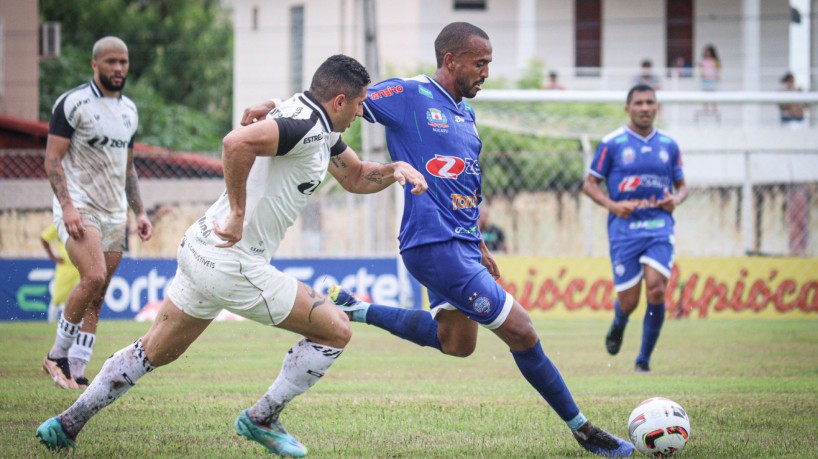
[
  {"x": 365, "y": 177},
  {"x": 239, "y": 150}
]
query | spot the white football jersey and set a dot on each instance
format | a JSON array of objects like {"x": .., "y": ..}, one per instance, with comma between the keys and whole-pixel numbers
[
  {"x": 279, "y": 187},
  {"x": 101, "y": 130}
]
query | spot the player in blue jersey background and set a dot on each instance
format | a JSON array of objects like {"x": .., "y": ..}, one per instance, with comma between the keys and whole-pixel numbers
[{"x": 642, "y": 169}]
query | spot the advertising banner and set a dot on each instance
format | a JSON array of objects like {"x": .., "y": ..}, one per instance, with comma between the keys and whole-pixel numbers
[
  {"x": 24, "y": 291},
  {"x": 699, "y": 287}
]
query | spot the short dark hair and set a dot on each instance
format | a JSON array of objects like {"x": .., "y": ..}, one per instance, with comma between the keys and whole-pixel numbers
[
  {"x": 338, "y": 74},
  {"x": 639, "y": 88},
  {"x": 455, "y": 38}
]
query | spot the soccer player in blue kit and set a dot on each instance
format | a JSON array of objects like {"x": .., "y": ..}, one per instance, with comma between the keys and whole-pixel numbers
[
  {"x": 430, "y": 126},
  {"x": 642, "y": 167}
]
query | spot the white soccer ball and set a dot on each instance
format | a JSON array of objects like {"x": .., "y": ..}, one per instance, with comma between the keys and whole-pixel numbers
[{"x": 659, "y": 427}]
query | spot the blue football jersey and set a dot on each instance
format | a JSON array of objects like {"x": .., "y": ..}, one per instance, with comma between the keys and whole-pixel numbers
[
  {"x": 635, "y": 167},
  {"x": 426, "y": 128}
]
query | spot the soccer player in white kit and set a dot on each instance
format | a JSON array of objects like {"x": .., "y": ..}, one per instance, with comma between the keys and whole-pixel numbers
[
  {"x": 271, "y": 168},
  {"x": 89, "y": 162}
]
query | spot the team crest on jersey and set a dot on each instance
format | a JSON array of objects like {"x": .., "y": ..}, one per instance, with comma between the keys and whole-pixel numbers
[
  {"x": 619, "y": 269},
  {"x": 628, "y": 155},
  {"x": 664, "y": 156},
  {"x": 126, "y": 121},
  {"x": 629, "y": 183},
  {"x": 481, "y": 305},
  {"x": 437, "y": 120}
]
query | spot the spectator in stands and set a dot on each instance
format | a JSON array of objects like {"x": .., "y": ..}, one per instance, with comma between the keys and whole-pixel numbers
[
  {"x": 553, "y": 82},
  {"x": 792, "y": 114},
  {"x": 710, "y": 74},
  {"x": 66, "y": 276},
  {"x": 493, "y": 236},
  {"x": 646, "y": 76},
  {"x": 89, "y": 162}
]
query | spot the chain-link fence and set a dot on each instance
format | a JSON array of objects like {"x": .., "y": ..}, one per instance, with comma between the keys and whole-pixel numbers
[{"x": 750, "y": 193}]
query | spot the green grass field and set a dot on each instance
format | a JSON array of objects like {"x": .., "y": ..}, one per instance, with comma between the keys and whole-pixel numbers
[{"x": 749, "y": 386}]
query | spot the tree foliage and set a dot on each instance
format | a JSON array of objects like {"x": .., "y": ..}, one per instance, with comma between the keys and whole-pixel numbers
[{"x": 181, "y": 54}]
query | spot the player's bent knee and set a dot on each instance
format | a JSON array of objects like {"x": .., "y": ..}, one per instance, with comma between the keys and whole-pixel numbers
[{"x": 458, "y": 349}]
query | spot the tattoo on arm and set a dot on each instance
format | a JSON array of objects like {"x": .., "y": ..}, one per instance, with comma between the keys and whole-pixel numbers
[
  {"x": 132, "y": 191},
  {"x": 338, "y": 162},
  {"x": 58, "y": 184},
  {"x": 375, "y": 176}
]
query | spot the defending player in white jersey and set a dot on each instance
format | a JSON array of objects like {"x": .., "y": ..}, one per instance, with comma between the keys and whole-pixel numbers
[
  {"x": 271, "y": 168},
  {"x": 89, "y": 162}
]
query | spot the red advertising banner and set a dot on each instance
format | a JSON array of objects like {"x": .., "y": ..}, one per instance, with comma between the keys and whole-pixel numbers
[{"x": 698, "y": 288}]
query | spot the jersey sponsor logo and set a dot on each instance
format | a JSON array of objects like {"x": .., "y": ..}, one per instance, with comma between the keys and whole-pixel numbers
[
  {"x": 448, "y": 167},
  {"x": 629, "y": 183},
  {"x": 386, "y": 92},
  {"x": 459, "y": 119},
  {"x": 460, "y": 201},
  {"x": 633, "y": 182},
  {"x": 202, "y": 222},
  {"x": 655, "y": 223},
  {"x": 461, "y": 230},
  {"x": 107, "y": 141},
  {"x": 628, "y": 155},
  {"x": 646, "y": 149},
  {"x": 437, "y": 120},
  {"x": 314, "y": 138},
  {"x": 308, "y": 188},
  {"x": 76, "y": 107}
]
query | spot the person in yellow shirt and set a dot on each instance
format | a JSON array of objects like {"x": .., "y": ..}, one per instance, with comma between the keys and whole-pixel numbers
[{"x": 66, "y": 275}]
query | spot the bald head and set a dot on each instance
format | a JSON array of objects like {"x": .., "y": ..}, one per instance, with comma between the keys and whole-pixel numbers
[{"x": 106, "y": 44}]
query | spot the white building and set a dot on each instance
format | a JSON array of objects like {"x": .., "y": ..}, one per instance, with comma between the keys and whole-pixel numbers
[{"x": 593, "y": 44}]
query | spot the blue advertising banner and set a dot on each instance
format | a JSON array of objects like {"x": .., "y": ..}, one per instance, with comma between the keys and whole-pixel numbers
[{"x": 25, "y": 283}]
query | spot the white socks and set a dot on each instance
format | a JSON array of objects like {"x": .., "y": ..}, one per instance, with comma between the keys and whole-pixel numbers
[
  {"x": 80, "y": 353},
  {"x": 303, "y": 366},
  {"x": 120, "y": 373},
  {"x": 66, "y": 334}
]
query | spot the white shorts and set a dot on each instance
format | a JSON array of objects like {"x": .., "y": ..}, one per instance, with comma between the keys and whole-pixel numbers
[
  {"x": 111, "y": 229},
  {"x": 209, "y": 279}
]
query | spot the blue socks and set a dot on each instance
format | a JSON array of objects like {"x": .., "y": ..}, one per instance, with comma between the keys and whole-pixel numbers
[
  {"x": 546, "y": 379},
  {"x": 620, "y": 318},
  {"x": 420, "y": 328},
  {"x": 414, "y": 325},
  {"x": 652, "y": 325}
]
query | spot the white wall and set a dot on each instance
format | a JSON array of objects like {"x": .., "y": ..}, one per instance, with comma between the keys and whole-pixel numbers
[{"x": 632, "y": 30}]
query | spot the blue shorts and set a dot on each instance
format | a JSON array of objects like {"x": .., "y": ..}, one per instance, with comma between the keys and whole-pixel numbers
[
  {"x": 455, "y": 279},
  {"x": 627, "y": 258}
]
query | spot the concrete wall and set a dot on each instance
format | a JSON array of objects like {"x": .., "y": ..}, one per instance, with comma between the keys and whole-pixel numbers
[{"x": 19, "y": 61}]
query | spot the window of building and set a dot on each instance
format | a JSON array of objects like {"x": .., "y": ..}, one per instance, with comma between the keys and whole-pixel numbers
[
  {"x": 588, "y": 37},
  {"x": 296, "y": 49},
  {"x": 679, "y": 37},
  {"x": 470, "y": 4}
]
